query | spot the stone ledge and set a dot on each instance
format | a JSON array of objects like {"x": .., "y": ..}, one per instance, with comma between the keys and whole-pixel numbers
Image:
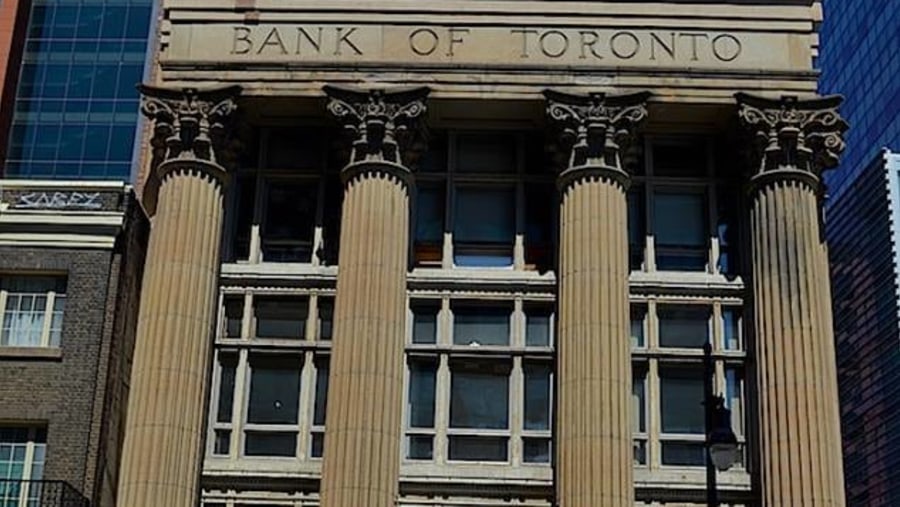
[{"x": 52, "y": 353}]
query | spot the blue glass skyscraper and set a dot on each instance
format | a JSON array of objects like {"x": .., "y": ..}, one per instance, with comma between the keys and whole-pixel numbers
[
  {"x": 860, "y": 59},
  {"x": 76, "y": 107}
]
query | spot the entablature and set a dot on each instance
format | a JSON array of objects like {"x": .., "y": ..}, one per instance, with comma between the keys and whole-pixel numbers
[{"x": 691, "y": 52}]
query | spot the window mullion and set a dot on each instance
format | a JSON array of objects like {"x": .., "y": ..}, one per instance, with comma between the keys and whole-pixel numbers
[
  {"x": 713, "y": 229},
  {"x": 247, "y": 317},
  {"x": 654, "y": 448},
  {"x": 517, "y": 405},
  {"x": 48, "y": 319},
  {"x": 518, "y": 233},
  {"x": 26, "y": 467},
  {"x": 307, "y": 404},
  {"x": 3, "y": 294},
  {"x": 238, "y": 410},
  {"x": 442, "y": 411}
]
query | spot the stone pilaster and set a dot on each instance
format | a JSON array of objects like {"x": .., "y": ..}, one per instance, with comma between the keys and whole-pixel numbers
[
  {"x": 164, "y": 430},
  {"x": 363, "y": 424},
  {"x": 796, "y": 382},
  {"x": 594, "y": 442}
]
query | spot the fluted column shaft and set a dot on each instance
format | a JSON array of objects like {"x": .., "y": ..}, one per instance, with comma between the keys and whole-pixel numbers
[
  {"x": 365, "y": 390},
  {"x": 594, "y": 362},
  {"x": 799, "y": 418},
  {"x": 594, "y": 449},
  {"x": 164, "y": 429},
  {"x": 363, "y": 423}
]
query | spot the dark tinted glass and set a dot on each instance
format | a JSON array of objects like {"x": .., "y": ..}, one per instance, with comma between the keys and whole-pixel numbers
[
  {"x": 274, "y": 390},
  {"x": 78, "y": 53}
]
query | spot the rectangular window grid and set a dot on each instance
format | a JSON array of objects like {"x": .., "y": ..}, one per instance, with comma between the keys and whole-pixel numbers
[{"x": 31, "y": 310}]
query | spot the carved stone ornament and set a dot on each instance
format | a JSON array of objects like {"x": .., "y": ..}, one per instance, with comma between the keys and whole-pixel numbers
[
  {"x": 794, "y": 137},
  {"x": 382, "y": 123},
  {"x": 189, "y": 125},
  {"x": 595, "y": 129}
]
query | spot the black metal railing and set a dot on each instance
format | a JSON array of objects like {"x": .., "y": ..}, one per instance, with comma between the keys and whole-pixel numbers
[{"x": 40, "y": 494}]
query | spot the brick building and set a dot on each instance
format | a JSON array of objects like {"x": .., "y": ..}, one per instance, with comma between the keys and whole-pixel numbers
[{"x": 71, "y": 258}]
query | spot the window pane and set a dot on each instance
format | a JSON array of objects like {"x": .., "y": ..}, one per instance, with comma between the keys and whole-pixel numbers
[
  {"x": 638, "y": 313},
  {"x": 228, "y": 364},
  {"x": 290, "y": 220},
  {"x": 639, "y": 401},
  {"x": 280, "y": 317},
  {"x": 270, "y": 444},
  {"x": 318, "y": 445},
  {"x": 420, "y": 447},
  {"x": 680, "y": 219},
  {"x": 536, "y": 450},
  {"x": 681, "y": 159},
  {"x": 245, "y": 189},
  {"x": 683, "y": 454},
  {"x": 640, "y": 452},
  {"x": 731, "y": 328},
  {"x": 422, "y": 376},
  {"x": 291, "y": 148},
  {"x": 234, "y": 316},
  {"x": 274, "y": 390},
  {"x": 321, "y": 392},
  {"x": 682, "y": 399},
  {"x": 540, "y": 199},
  {"x": 478, "y": 448},
  {"x": 537, "y": 327},
  {"x": 485, "y": 215},
  {"x": 222, "y": 442},
  {"x": 636, "y": 227},
  {"x": 734, "y": 398},
  {"x": 488, "y": 152},
  {"x": 326, "y": 317},
  {"x": 537, "y": 396},
  {"x": 683, "y": 326},
  {"x": 480, "y": 325},
  {"x": 479, "y": 397},
  {"x": 430, "y": 214},
  {"x": 425, "y": 323}
]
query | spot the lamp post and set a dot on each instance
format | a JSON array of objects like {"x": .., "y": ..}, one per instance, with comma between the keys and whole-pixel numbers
[{"x": 721, "y": 443}]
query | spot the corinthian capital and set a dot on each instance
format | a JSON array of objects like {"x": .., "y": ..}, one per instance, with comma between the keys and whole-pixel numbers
[
  {"x": 381, "y": 123},
  {"x": 189, "y": 125},
  {"x": 594, "y": 129},
  {"x": 793, "y": 136}
]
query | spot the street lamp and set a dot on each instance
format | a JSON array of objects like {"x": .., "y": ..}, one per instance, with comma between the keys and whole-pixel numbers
[{"x": 721, "y": 443}]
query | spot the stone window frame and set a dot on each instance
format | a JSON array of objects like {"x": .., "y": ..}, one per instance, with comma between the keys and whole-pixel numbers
[
  {"x": 649, "y": 358},
  {"x": 51, "y": 337},
  {"x": 444, "y": 352},
  {"x": 310, "y": 351},
  {"x": 450, "y": 178},
  {"x": 263, "y": 175},
  {"x": 644, "y": 184}
]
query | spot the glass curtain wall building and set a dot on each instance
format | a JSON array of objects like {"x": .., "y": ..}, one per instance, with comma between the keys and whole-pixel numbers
[
  {"x": 76, "y": 107},
  {"x": 859, "y": 59}
]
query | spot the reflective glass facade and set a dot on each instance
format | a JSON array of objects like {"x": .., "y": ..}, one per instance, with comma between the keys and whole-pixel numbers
[
  {"x": 859, "y": 59},
  {"x": 76, "y": 109}
]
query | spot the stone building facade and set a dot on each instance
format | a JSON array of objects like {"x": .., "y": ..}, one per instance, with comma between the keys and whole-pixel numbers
[
  {"x": 469, "y": 253},
  {"x": 71, "y": 257}
]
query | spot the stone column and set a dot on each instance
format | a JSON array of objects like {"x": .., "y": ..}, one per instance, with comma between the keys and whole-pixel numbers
[
  {"x": 363, "y": 423},
  {"x": 164, "y": 429},
  {"x": 798, "y": 416},
  {"x": 594, "y": 431}
]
